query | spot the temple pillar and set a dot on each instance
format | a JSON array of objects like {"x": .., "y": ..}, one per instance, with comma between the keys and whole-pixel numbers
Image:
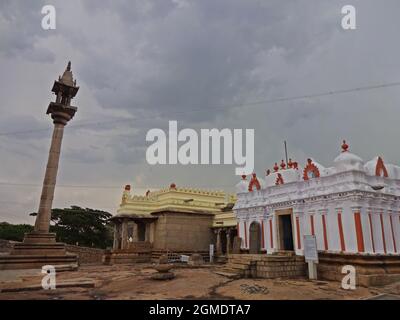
[
  {"x": 147, "y": 233},
  {"x": 228, "y": 241},
  {"x": 124, "y": 241},
  {"x": 116, "y": 236},
  {"x": 43, "y": 217},
  {"x": 135, "y": 232},
  {"x": 39, "y": 247},
  {"x": 298, "y": 234},
  {"x": 218, "y": 246}
]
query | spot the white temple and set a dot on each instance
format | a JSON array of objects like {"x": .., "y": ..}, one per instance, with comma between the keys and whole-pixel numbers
[{"x": 351, "y": 207}]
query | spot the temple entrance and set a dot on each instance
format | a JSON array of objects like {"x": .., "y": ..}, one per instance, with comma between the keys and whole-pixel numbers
[
  {"x": 285, "y": 231},
  {"x": 255, "y": 238}
]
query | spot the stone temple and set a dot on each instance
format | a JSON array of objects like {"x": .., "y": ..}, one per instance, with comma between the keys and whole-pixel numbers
[{"x": 174, "y": 220}]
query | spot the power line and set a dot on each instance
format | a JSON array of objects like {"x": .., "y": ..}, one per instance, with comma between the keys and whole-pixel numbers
[{"x": 242, "y": 105}]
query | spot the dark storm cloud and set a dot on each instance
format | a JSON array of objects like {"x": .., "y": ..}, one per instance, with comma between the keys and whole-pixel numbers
[
  {"x": 20, "y": 31},
  {"x": 142, "y": 63},
  {"x": 172, "y": 59}
]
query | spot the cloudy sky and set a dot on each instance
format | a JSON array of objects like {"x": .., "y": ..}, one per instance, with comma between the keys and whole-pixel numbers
[{"x": 203, "y": 63}]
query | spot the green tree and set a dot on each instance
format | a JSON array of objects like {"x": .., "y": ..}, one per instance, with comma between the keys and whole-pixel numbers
[
  {"x": 84, "y": 226},
  {"x": 14, "y": 232}
]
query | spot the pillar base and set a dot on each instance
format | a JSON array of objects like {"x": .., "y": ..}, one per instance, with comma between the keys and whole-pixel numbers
[
  {"x": 39, "y": 237},
  {"x": 37, "y": 250},
  {"x": 36, "y": 243}
]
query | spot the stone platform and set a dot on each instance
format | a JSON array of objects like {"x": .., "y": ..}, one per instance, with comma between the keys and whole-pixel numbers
[
  {"x": 371, "y": 270},
  {"x": 38, "y": 250},
  {"x": 263, "y": 266}
]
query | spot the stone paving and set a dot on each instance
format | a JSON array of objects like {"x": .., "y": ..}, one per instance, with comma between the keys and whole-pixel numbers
[{"x": 101, "y": 282}]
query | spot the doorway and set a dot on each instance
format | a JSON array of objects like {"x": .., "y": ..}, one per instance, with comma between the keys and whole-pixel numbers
[
  {"x": 285, "y": 232},
  {"x": 255, "y": 238},
  {"x": 141, "y": 231}
]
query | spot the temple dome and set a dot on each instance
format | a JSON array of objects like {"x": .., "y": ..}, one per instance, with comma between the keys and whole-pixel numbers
[
  {"x": 288, "y": 175},
  {"x": 323, "y": 171},
  {"x": 242, "y": 186},
  {"x": 347, "y": 161},
  {"x": 393, "y": 171},
  {"x": 372, "y": 168}
]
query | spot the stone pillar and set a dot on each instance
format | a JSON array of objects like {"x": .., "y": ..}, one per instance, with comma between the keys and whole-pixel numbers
[
  {"x": 39, "y": 247},
  {"x": 228, "y": 241},
  {"x": 61, "y": 112},
  {"x": 147, "y": 232},
  {"x": 218, "y": 246},
  {"x": 298, "y": 233},
  {"x": 116, "y": 236},
  {"x": 124, "y": 243},
  {"x": 42, "y": 222},
  {"x": 135, "y": 232}
]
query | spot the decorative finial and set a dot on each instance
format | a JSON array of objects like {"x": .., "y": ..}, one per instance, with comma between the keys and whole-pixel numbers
[
  {"x": 268, "y": 172},
  {"x": 290, "y": 163},
  {"x": 69, "y": 66},
  {"x": 345, "y": 146},
  {"x": 283, "y": 165},
  {"x": 276, "y": 168},
  {"x": 254, "y": 182},
  {"x": 243, "y": 177},
  {"x": 128, "y": 187}
]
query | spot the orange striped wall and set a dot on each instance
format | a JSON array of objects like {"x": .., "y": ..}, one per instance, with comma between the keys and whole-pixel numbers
[
  {"x": 359, "y": 232},
  {"x": 298, "y": 233},
  {"x": 341, "y": 234}
]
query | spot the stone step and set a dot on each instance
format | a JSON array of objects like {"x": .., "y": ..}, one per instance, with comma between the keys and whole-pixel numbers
[
  {"x": 238, "y": 266},
  {"x": 229, "y": 275},
  {"x": 66, "y": 267},
  {"x": 243, "y": 262},
  {"x": 37, "y": 261},
  {"x": 269, "y": 260},
  {"x": 228, "y": 268},
  {"x": 79, "y": 283}
]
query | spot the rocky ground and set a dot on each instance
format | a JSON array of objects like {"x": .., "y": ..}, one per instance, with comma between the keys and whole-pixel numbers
[{"x": 134, "y": 282}]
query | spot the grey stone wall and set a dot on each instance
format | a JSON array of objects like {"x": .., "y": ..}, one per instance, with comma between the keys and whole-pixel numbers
[
  {"x": 178, "y": 231},
  {"x": 87, "y": 255},
  {"x": 6, "y": 246}
]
